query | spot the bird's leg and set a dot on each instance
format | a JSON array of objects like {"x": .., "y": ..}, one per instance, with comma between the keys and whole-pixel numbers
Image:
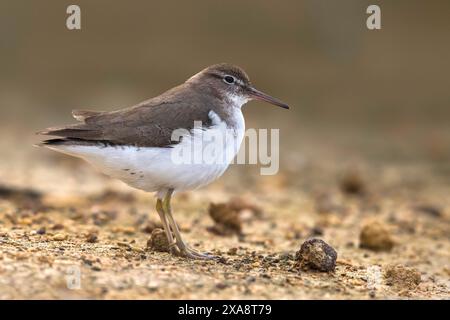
[
  {"x": 185, "y": 250},
  {"x": 162, "y": 216}
]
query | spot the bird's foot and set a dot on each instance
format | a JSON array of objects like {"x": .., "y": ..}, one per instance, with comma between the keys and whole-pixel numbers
[
  {"x": 173, "y": 248},
  {"x": 190, "y": 253}
]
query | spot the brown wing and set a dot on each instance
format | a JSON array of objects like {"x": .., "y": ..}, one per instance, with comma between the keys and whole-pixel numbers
[{"x": 149, "y": 124}]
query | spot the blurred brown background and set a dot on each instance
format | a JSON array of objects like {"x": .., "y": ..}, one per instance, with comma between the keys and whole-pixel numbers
[
  {"x": 365, "y": 148},
  {"x": 381, "y": 95}
]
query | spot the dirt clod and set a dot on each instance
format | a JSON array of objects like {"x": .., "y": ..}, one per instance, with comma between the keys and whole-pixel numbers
[
  {"x": 57, "y": 226},
  {"x": 401, "y": 277},
  {"x": 352, "y": 183},
  {"x": 376, "y": 236},
  {"x": 226, "y": 218},
  {"x": 316, "y": 254},
  {"x": 158, "y": 241}
]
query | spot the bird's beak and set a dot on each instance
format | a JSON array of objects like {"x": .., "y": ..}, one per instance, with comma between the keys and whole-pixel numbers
[{"x": 256, "y": 94}]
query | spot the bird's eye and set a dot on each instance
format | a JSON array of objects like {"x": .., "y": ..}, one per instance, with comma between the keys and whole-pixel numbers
[{"x": 229, "y": 79}]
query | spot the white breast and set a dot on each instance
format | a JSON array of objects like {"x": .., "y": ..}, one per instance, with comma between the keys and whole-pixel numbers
[{"x": 158, "y": 169}]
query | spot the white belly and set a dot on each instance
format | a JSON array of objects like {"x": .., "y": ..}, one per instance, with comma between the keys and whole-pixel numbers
[{"x": 159, "y": 169}]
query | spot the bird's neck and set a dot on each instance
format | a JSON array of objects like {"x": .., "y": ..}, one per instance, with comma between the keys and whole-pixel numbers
[{"x": 236, "y": 101}]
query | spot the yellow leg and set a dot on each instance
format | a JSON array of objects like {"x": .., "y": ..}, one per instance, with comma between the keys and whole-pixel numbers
[
  {"x": 170, "y": 239},
  {"x": 185, "y": 250}
]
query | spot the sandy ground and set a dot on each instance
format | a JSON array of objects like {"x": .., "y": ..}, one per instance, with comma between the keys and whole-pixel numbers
[{"x": 68, "y": 232}]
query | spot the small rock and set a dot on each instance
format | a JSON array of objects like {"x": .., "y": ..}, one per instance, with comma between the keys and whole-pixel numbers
[
  {"x": 41, "y": 230},
  {"x": 221, "y": 285},
  {"x": 125, "y": 245},
  {"x": 232, "y": 251},
  {"x": 137, "y": 249},
  {"x": 91, "y": 238},
  {"x": 59, "y": 237},
  {"x": 376, "y": 236},
  {"x": 402, "y": 277},
  {"x": 353, "y": 184},
  {"x": 316, "y": 231},
  {"x": 57, "y": 226},
  {"x": 87, "y": 260},
  {"x": 222, "y": 260},
  {"x": 316, "y": 254},
  {"x": 226, "y": 218},
  {"x": 158, "y": 241},
  {"x": 96, "y": 268}
]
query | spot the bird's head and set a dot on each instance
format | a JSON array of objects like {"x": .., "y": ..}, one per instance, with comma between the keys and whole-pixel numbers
[{"x": 231, "y": 83}]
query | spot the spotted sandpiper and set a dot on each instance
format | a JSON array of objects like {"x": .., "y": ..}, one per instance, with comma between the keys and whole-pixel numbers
[{"x": 137, "y": 144}]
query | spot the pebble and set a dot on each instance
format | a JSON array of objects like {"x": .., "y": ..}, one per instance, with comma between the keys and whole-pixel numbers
[
  {"x": 138, "y": 250},
  {"x": 352, "y": 183},
  {"x": 316, "y": 231},
  {"x": 96, "y": 268},
  {"x": 226, "y": 218},
  {"x": 221, "y": 285},
  {"x": 59, "y": 237},
  {"x": 316, "y": 254},
  {"x": 123, "y": 244},
  {"x": 376, "y": 236},
  {"x": 58, "y": 226},
  {"x": 91, "y": 238}
]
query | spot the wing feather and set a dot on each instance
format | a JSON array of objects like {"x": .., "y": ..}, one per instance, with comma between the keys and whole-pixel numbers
[
  {"x": 148, "y": 124},
  {"x": 83, "y": 115}
]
